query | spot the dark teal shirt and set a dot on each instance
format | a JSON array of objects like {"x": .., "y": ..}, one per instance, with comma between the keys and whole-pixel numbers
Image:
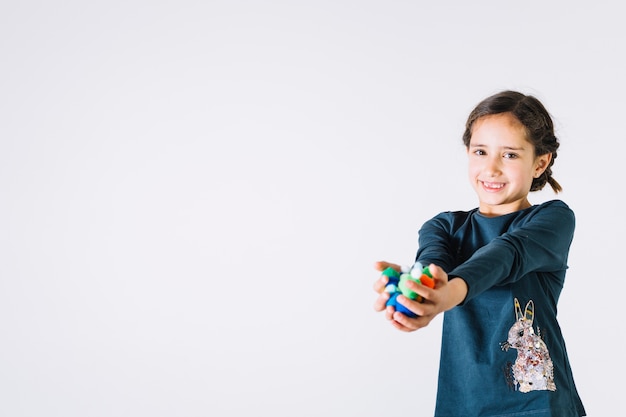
[{"x": 520, "y": 255}]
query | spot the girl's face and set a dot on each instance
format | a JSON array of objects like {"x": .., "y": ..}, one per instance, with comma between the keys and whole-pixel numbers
[{"x": 502, "y": 164}]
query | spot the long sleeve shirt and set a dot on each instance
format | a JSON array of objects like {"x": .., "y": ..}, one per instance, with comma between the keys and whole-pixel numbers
[{"x": 521, "y": 255}]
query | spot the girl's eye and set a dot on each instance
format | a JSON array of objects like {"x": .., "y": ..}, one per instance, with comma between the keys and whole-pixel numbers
[
  {"x": 510, "y": 155},
  {"x": 479, "y": 152}
]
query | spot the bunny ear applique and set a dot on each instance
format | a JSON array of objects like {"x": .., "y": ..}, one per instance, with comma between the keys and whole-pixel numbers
[
  {"x": 518, "y": 310},
  {"x": 529, "y": 313}
]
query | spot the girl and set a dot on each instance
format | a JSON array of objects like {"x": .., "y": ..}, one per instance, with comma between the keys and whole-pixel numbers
[{"x": 489, "y": 262}]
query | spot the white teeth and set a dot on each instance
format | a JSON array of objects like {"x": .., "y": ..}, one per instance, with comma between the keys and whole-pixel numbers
[{"x": 493, "y": 185}]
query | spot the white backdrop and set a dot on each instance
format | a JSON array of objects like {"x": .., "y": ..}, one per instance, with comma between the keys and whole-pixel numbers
[{"x": 193, "y": 195}]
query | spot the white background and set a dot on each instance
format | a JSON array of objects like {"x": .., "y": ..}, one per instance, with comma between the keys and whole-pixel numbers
[{"x": 193, "y": 194}]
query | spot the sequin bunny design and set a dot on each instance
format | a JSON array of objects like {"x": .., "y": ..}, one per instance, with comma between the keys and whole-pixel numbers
[{"x": 533, "y": 369}]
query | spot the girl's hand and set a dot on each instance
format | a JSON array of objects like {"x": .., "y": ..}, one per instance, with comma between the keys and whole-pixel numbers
[
  {"x": 427, "y": 309},
  {"x": 445, "y": 296},
  {"x": 381, "y": 283}
]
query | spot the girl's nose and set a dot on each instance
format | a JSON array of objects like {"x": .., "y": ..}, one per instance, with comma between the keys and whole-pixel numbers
[{"x": 492, "y": 166}]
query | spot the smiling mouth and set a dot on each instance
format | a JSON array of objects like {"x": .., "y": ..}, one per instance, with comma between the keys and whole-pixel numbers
[{"x": 493, "y": 186}]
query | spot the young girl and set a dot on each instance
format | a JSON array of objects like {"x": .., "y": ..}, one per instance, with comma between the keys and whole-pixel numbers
[{"x": 499, "y": 270}]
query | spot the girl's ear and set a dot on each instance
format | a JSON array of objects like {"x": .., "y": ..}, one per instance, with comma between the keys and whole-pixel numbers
[{"x": 541, "y": 164}]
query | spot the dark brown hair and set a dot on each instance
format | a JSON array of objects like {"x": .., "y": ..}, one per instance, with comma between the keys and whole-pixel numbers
[{"x": 536, "y": 120}]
